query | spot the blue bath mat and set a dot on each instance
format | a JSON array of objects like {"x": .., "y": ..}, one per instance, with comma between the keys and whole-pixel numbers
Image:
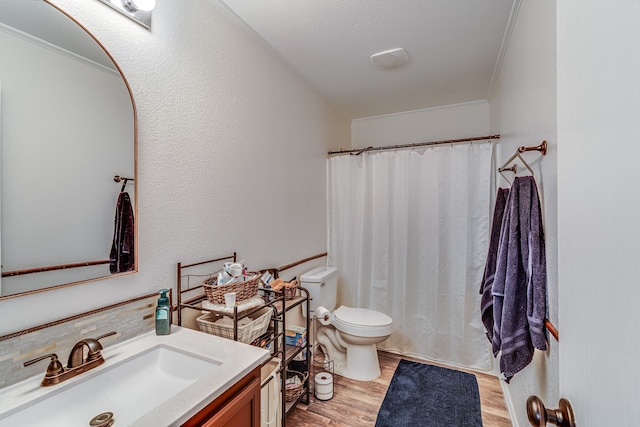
[{"x": 430, "y": 396}]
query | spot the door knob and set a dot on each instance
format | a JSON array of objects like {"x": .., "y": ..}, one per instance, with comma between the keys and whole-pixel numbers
[{"x": 539, "y": 416}]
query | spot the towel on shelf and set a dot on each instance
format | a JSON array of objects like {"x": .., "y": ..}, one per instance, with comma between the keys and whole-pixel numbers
[
  {"x": 486, "y": 301},
  {"x": 519, "y": 286}
]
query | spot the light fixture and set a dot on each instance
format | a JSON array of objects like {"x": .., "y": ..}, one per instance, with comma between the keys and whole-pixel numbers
[
  {"x": 136, "y": 10},
  {"x": 389, "y": 59},
  {"x": 145, "y": 5}
]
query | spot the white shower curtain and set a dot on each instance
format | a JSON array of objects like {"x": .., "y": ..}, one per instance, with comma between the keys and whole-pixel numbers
[{"x": 408, "y": 230}]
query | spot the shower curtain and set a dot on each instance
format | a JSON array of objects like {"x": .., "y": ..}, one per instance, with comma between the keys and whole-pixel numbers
[{"x": 408, "y": 230}]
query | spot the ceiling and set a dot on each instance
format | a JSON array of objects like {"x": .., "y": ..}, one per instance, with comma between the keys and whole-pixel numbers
[{"x": 454, "y": 47}]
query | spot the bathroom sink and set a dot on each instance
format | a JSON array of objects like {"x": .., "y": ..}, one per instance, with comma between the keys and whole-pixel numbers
[{"x": 130, "y": 388}]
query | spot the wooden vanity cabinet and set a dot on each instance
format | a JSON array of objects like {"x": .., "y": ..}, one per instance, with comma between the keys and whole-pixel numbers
[{"x": 239, "y": 406}]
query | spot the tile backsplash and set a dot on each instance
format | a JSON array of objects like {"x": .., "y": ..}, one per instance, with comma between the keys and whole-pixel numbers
[{"x": 127, "y": 320}]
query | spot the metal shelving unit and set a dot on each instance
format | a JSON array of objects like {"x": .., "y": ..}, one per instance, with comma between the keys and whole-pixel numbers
[
  {"x": 288, "y": 352},
  {"x": 192, "y": 297}
]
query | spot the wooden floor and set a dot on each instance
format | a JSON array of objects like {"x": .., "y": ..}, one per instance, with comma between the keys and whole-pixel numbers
[{"x": 356, "y": 403}]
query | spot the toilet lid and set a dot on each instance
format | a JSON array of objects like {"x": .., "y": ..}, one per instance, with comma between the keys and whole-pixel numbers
[{"x": 361, "y": 321}]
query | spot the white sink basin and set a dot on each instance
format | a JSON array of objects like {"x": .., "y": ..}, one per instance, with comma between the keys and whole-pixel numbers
[{"x": 129, "y": 389}]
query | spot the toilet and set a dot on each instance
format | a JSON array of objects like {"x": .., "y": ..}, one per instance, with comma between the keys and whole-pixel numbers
[{"x": 350, "y": 339}]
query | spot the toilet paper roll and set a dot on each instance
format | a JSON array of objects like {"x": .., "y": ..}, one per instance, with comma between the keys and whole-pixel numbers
[
  {"x": 323, "y": 315},
  {"x": 323, "y": 386}
]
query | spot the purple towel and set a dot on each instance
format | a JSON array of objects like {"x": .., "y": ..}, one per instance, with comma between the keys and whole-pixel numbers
[
  {"x": 486, "y": 301},
  {"x": 122, "y": 256},
  {"x": 519, "y": 287}
]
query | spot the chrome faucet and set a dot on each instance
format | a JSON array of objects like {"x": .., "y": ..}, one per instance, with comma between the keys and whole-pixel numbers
[{"x": 78, "y": 363}]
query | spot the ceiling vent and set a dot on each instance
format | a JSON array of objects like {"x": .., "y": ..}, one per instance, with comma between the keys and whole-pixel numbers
[{"x": 389, "y": 59}]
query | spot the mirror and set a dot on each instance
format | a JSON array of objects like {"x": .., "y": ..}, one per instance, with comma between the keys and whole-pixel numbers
[{"x": 67, "y": 128}]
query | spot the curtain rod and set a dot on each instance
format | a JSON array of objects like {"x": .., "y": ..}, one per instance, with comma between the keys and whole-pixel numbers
[{"x": 417, "y": 144}]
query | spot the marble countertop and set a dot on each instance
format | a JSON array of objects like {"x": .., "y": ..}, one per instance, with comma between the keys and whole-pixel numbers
[{"x": 237, "y": 360}]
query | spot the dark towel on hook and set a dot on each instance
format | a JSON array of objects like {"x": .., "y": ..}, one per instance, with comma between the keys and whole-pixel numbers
[
  {"x": 122, "y": 256},
  {"x": 520, "y": 283},
  {"x": 486, "y": 301}
]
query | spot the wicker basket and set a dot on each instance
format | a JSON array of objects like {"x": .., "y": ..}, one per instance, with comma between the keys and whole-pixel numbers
[
  {"x": 293, "y": 391},
  {"x": 244, "y": 290},
  {"x": 290, "y": 293},
  {"x": 246, "y": 333}
]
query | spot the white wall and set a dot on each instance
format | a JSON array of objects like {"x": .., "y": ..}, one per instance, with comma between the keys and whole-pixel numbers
[
  {"x": 231, "y": 155},
  {"x": 430, "y": 124},
  {"x": 599, "y": 231},
  {"x": 523, "y": 111}
]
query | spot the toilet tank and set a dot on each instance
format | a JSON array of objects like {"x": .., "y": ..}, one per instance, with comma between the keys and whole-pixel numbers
[{"x": 322, "y": 284}]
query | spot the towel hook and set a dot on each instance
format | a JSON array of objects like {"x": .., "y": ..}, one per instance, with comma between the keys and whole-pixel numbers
[
  {"x": 526, "y": 165},
  {"x": 119, "y": 178},
  {"x": 542, "y": 148},
  {"x": 513, "y": 169}
]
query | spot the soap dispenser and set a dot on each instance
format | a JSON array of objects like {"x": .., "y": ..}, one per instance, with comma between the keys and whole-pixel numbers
[{"x": 163, "y": 322}]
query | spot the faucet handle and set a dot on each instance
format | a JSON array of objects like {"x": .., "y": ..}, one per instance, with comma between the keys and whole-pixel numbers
[
  {"x": 54, "y": 368},
  {"x": 95, "y": 347},
  {"x": 108, "y": 334}
]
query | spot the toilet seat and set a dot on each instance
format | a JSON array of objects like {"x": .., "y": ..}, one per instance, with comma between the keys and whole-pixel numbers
[{"x": 362, "y": 322}]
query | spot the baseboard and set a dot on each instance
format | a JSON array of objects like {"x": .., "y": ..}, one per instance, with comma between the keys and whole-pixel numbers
[{"x": 509, "y": 402}]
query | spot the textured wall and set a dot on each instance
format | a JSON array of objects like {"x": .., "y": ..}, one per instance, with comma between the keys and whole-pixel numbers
[
  {"x": 523, "y": 111},
  {"x": 231, "y": 154},
  {"x": 431, "y": 124}
]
